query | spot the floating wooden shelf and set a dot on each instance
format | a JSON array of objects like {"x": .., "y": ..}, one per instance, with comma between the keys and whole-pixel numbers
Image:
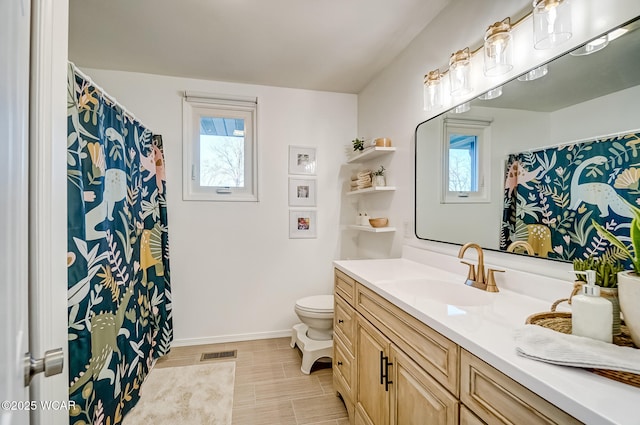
[{"x": 371, "y": 153}]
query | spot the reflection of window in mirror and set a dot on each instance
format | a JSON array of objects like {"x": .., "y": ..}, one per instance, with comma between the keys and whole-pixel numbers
[{"x": 466, "y": 160}]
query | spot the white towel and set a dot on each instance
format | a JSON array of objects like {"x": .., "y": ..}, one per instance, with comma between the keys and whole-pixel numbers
[{"x": 546, "y": 345}]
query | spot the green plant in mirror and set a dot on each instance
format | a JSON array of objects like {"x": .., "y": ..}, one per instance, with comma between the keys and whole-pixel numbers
[
  {"x": 606, "y": 269},
  {"x": 358, "y": 144},
  {"x": 632, "y": 252}
]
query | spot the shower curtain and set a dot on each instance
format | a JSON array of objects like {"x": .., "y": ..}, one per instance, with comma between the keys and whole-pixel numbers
[
  {"x": 552, "y": 195},
  {"x": 119, "y": 298}
]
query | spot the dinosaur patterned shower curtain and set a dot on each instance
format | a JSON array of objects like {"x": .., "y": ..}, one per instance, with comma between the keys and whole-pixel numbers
[
  {"x": 118, "y": 255},
  {"x": 552, "y": 195}
]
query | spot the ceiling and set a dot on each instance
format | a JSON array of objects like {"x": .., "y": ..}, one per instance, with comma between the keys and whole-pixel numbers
[{"x": 328, "y": 45}]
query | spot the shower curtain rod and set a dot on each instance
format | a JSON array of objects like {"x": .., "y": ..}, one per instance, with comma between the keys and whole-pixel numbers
[{"x": 81, "y": 74}]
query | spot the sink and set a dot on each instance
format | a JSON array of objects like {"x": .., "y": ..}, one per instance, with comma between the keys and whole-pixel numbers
[{"x": 445, "y": 292}]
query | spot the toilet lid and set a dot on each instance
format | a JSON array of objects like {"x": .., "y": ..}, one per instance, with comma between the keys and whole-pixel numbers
[{"x": 320, "y": 303}]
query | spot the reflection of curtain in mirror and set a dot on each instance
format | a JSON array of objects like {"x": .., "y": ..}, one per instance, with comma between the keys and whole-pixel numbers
[
  {"x": 551, "y": 195},
  {"x": 118, "y": 255}
]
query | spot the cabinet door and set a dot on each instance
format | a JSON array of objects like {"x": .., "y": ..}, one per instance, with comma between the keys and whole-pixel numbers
[
  {"x": 372, "y": 406},
  {"x": 416, "y": 397},
  {"x": 468, "y": 418}
]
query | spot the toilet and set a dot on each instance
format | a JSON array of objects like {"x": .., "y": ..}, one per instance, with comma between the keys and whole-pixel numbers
[{"x": 314, "y": 336}]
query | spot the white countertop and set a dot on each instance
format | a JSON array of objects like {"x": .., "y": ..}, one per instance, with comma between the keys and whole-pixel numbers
[{"x": 483, "y": 324}]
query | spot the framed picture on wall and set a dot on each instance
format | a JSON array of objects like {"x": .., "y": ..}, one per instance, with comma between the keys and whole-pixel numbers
[
  {"x": 302, "y": 224},
  {"x": 302, "y": 160},
  {"x": 302, "y": 192}
]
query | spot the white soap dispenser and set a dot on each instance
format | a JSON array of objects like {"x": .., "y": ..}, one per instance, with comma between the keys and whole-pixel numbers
[{"x": 591, "y": 315}]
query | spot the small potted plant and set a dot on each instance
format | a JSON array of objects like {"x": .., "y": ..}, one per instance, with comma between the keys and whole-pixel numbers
[
  {"x": 607, "y": 269},
  {"x": 378, "y": 177},
  {"x": 358, "y": 144},
  {"x": 628, "y": 281}
]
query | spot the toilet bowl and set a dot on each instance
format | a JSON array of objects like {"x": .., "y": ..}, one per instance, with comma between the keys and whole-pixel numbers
[
  {"x": 317, "y": 313},
  {"x": 314, "y": 336}
]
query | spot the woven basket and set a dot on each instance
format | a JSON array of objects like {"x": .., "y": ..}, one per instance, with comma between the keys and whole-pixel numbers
[{"x": 561, "y": 322}]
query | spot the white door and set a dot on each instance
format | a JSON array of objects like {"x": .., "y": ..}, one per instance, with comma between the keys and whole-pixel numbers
[
  {"x": 48, "y": 204},
  {"x": 14, "y": 196},
  {"x": 33, "y": 39}
]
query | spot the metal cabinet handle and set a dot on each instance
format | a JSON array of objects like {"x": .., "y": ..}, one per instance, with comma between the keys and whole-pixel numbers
[
  {"x": 387, "y": 382},
  {"x": 384, "y": 371},
  {"x": 339, "y": 363},
  {"x": 340, "y": 321}
]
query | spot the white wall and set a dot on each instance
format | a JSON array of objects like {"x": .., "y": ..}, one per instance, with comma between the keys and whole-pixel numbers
[
  {"x": 606, "y": 115},
  {"x": 235, "y": 273},
  {"x": 391, "y": 105}
]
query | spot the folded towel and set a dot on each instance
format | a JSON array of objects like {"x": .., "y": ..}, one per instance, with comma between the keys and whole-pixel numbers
[
  {"x": 546, "y": 345},
  {"x": 361, "y": 186},
  {"x": 364, "y": 173}
]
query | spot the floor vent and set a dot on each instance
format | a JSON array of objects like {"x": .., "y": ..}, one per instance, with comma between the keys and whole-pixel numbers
[{"x": 219, "y": 355}]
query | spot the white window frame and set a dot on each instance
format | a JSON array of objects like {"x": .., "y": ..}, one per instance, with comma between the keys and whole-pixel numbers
[
  {"x": 481, "y": 128},
  {"x": 197, "y": 105}
]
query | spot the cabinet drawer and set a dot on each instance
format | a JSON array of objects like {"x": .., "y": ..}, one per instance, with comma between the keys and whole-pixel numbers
[
  {"x": 343, "y": 368},
  {"x": 430, "y": 350},
  {"x": 497, "y": 399},
  {"x": 345, "y": 286},
  {"x": 344, "y": 322}
]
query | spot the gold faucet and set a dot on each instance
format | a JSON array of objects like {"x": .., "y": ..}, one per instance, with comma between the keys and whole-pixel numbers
[
  {"x": 521, "y": 244},
  {"x": 477, "y": 279}
]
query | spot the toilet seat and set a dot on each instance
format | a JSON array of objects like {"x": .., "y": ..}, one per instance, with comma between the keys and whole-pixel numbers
[{"x": 316, "y": 304}]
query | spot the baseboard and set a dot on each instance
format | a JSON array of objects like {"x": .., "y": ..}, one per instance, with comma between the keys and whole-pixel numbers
[{"x": 230, "y": 338}]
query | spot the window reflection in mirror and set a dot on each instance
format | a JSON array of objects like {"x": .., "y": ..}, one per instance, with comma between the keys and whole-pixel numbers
[{"x": 463, "y": 162}]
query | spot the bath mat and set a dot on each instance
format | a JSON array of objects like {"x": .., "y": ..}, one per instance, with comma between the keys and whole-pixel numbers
[{"x": 199, "y": 394}]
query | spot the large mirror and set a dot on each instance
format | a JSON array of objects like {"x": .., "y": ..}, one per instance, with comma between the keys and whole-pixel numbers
[{"x": 538, "y": 163}]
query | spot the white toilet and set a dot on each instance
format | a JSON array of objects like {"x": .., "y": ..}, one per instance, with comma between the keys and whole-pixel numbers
[{"x": 314, "y": 336}]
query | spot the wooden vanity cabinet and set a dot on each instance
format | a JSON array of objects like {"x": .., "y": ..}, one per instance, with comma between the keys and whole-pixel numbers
[
  {"x": 497, "y": 399},
  {"x": 344, "y": 329},
  {"x": 392, "y": 369}
]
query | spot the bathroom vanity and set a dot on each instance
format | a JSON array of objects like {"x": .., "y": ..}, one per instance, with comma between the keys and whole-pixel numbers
[{"x": 413, "y": 345}]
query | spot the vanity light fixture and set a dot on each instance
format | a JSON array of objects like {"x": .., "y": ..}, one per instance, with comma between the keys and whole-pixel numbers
[
  {"x": 617, "y": 33},
  {"x": 491, "y": 94},
  {"x": 592, "y": 46},
  {"x": 460, "y": 72},
  {"x": 465, "y": 107},
  {"x": 498, "y": 49},
  {"x": 534, "y": 74},
  {"x": 551, "y": 23},
  {"x": 433, "y": 90}
]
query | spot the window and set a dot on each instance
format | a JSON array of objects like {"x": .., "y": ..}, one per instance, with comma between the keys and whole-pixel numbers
[
  {"x": 219, "y": 148},
  {"x": 466, "y": 176}
]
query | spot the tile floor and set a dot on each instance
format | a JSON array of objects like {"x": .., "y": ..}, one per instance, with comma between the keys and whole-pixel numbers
[{"x": 269, "y": 387}]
